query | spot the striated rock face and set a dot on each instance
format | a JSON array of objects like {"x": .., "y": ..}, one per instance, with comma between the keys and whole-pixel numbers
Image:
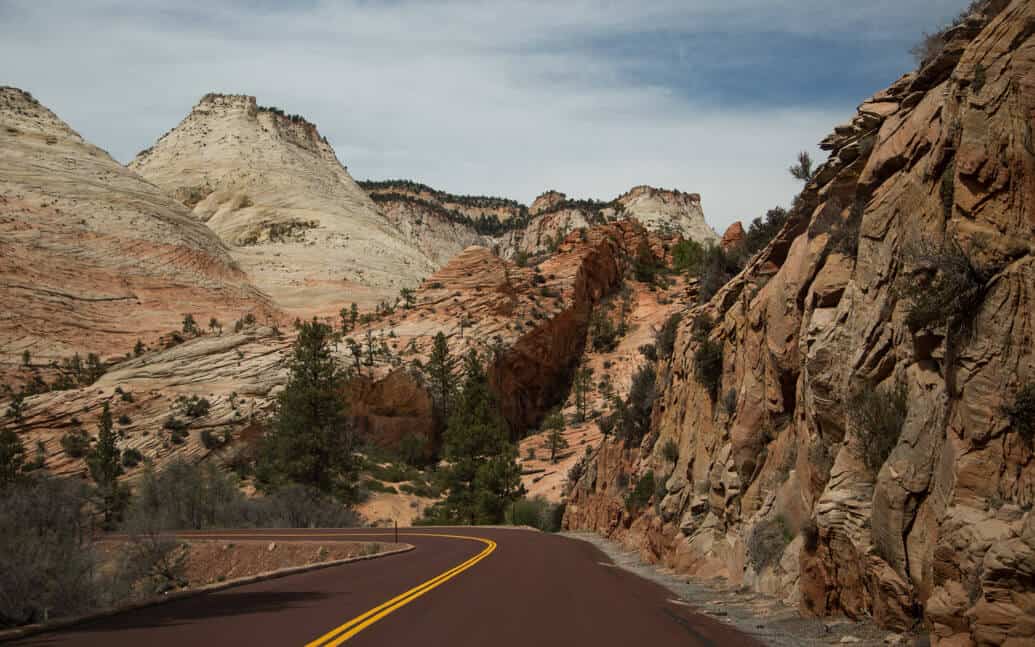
[
  {"x": 92, "y": 257},
  {"x": 733, "y": 236},
  {"x": 436, "y": 235},
  {"x": 668, "y": 211},
  {"x": 275, "y": 192},
  {"x": 771, "y": 488}
]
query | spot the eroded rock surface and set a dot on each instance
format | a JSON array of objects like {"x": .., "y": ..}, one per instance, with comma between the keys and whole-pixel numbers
[
  {"x": 771, "y": 489},
  {"x": 272, "y": 188},
  {"x": 92, "y": 256}
]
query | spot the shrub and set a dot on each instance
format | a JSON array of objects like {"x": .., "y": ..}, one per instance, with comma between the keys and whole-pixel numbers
[
  {"x": 1021, "y": 412},
  {"x": 810, "y": 535},
  {"x": 649, "y": 351},
  {"x": 641, "y": 494},
  {"x": 687, "y": 256},
  {"x": 212, "y": 441},
  {"x": 878, "y": 414},
  {"x": 46, "y": 562},
  {"x": 372, "y": 485},
  {"x": 537, "y": 513},
  {"x": 767, "y": 541},
  {"x": 602, "y": 332},
  {"x": 131, "y": 457},
  {"x": 708, "y": 366},
  {"x": 665, "y": 339},
  {"x": 124, "y": 419},
  {"x": 75, "y": 443},
  {"x": 670, "y": 451},
  {"x": 632, "y": 417},
  {"x": 952, "y": 296},
  {"x": 193, "y": 407}
]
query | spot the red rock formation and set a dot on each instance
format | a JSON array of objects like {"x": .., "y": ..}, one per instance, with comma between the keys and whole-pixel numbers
[
  {"x": 943, "y": 532},
  {"x": 733, "y": 236}
]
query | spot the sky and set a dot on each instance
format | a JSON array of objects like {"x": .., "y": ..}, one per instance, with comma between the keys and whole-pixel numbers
[{"x": 500, "y": 98}]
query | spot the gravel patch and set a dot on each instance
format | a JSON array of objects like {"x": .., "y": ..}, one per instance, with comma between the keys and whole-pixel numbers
[{"x": 756, "y": 614}]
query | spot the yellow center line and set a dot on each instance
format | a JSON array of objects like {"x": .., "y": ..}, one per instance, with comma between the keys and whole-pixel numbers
[{"x": 344, "y": 632}]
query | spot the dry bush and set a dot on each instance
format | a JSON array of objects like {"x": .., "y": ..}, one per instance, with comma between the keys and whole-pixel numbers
[
  {"x": 878, "y": 414},
  {"x": 767, "y": 541}
]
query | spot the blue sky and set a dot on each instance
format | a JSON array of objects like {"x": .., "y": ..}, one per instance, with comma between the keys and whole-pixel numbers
[{"x": 506, "y": 98}]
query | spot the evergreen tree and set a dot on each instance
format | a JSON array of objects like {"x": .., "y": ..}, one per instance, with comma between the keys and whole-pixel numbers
[
  {"x": 138, "y": 349},
  {"x": 583, "y": 384},
  {"x": 554, "y": 426},
  {"x": 408, "y": 297},
  {"x": 12, "y": 457},
  {"x": 26, "y": 358},
  {"x": 353, "y": 315},
  {"x": 105, "y": 464},
  {"x": 190, "y": 326},
  {"x": 441, "y": 371},
  {"x": 310, "y": 440},
  {"x": 483, "y": 476},
  {"x": 803, "y": 169}
]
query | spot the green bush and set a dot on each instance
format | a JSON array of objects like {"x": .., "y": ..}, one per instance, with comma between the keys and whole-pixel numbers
[
  {"x": 602, "y": 331},
  {"x": 537, "y": 513},
  {"x": 131, "y": 457},
  {"x": 951, "y": 297},
  {"x": 641, "y": 494},
  {"x": 687, "y": 256},
  {"x": 75, "y": 443},
  {"x": 193, "y": 407},
  {"x": 372, "y": 485},
  {"x": 708, "y": 366},
  {"x": 665, "y": 339},
  {"x": 1021, "y": 412},
  {"x": 670, "y": 451},
  {"x": 878, "y": 414}
]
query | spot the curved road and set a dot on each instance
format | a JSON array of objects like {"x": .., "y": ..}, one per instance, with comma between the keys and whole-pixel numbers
[{"x": 460, "y": 587}]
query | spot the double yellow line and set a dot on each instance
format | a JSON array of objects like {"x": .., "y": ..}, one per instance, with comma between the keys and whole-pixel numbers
[{"x": 340, "y": 634}]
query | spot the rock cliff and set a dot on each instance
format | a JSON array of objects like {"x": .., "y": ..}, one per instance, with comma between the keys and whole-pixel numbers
[
  {"x": 272, "y": 188},
  {"x": 92, "y": 256},
  {"x": 925, "y": 206}
]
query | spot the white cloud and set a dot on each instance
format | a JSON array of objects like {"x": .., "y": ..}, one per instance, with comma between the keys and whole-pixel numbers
[{"x": 469, "y": 97}]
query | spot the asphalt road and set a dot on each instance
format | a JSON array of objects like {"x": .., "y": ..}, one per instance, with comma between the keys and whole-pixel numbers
[{"x": 478, "y": 587}]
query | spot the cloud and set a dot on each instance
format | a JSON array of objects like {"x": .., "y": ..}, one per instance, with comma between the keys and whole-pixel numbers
[{"x": 507, "y": 98}]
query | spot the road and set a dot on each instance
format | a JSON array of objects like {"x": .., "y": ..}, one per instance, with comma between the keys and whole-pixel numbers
[{"x": 460, "y": 587}]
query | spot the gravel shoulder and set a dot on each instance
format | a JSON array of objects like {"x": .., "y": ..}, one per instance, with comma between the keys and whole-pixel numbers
[{"x": 756, "y": 614}]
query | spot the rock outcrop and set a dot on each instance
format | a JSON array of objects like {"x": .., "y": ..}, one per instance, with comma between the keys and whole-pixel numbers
[
  {"x": 272, "y": 188},
  {"x": 733, "y": 236},
  {"x": 93, "y": 257},
  {"x": 668, "y": 212},
  {"x": 771, "y": 487}
]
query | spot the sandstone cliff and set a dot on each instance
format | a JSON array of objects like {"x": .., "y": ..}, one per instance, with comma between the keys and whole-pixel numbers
[
  {"x": 92, "y": 257},
  {"x": 771, "y": 487},
  {"x": 275, "y": 192}
]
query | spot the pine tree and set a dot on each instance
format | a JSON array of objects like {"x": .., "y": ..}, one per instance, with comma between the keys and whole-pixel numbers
[
  {"x": 310, "y": 440},
  {"x": 803, "y": 169},
  {"x": 138, "y": 349},
  {"x": 12, "y": 457},
  {"x": 483, "y": 476},
  {"x": 105, "y": 464},
  {"x": 408, "y": 297},
  {"x": 583, "y": 384},
  {"x": 554, "y": 426},
  {"x": 26, "y": 358},
  {"x": 441, "y": 370},
  {"x": 190, "y": 326},
  {"x": 353, "y": 315}
]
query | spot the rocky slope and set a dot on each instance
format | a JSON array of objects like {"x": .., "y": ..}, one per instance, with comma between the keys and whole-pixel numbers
[
  {"x": 294, "y": 219},
  {"x": 92, "y": 257},
  {"x": 771, "y": 487},
  {"x": 553, "y": 216}
]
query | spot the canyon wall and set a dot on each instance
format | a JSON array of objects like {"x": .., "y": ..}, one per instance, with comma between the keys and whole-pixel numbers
[{"x": 934, "y": 178}]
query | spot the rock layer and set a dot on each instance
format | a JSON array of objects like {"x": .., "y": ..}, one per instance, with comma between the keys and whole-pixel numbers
[
  {"x": 272, "y": 188},
  {"x": 93, "y": 257}
]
